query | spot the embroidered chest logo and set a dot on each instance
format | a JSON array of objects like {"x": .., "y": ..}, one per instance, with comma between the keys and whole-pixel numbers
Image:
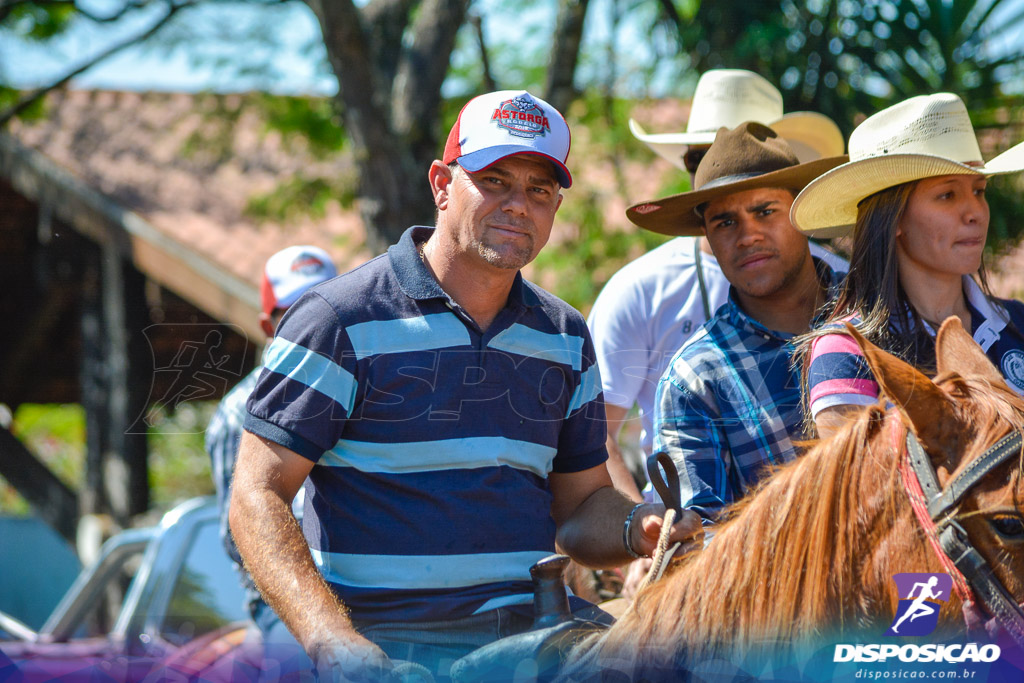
[
  {"x": 1012, "y": 365},
  {"x": 921, "y": 596},
  {"x": 521, "y": 116}
]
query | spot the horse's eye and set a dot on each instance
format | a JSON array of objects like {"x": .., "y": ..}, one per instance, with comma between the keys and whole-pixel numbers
[{"x": 1010, "y": 527}]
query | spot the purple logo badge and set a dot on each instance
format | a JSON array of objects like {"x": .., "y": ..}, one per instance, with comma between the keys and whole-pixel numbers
[{"x": 921, "y": 596}]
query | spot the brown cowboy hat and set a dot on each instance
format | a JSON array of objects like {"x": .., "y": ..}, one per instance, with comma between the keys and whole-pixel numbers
[{"x": 748, "y": 157}]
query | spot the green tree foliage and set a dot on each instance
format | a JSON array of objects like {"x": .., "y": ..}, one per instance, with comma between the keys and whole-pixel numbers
[
  {"x": 29, "y": 21},
  {"x": 179, "y": 466},
  {"x": 312, "y": 120},
  {"x": 37, "y": 21},
  {"x": 850, "y": 58},
  {"x": 576, "y": 269},
  {"x": 314, "y": 124},
  {"x": 56, "y": 434},
  {"x": 846, "y": 58}
]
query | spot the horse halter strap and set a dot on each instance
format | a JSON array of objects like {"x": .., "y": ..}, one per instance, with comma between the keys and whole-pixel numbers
[{"x": 935, "y": 509}]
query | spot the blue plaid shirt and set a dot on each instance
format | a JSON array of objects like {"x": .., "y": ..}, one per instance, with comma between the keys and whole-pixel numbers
[{"x": 728, "y": 407}]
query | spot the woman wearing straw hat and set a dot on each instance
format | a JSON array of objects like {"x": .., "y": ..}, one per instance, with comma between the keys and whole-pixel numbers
[{"x": 913, "y": 194}]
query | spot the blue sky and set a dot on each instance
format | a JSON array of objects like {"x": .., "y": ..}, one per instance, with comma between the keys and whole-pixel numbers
[
  {"x": 175, "y": 68},
  {"x": 296, "y": 61}
]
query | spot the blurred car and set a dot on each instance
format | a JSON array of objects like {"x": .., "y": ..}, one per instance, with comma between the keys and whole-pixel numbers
[{"x": 183, "y": 610}]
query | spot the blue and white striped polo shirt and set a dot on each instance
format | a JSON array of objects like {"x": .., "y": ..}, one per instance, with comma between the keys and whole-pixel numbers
[{"x": 432, "y": 441}]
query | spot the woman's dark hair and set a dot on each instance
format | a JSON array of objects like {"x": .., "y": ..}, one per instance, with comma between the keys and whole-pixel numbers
[{"x": 872, "y": 288}]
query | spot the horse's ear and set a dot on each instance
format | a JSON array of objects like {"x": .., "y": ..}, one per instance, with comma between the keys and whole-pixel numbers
[
  {"x": 920, "y": 400},
  {"x": 956, "y": 351}
]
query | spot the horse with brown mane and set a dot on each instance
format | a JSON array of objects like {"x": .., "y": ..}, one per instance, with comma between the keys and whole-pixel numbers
[{"x": 811, "y": 553}]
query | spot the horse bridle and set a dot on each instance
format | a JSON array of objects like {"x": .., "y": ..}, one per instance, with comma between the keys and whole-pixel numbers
[{"x": 936, "y": 509}]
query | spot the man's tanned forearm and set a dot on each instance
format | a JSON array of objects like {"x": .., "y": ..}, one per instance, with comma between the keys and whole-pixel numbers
[{"x": 276, "y": 554}]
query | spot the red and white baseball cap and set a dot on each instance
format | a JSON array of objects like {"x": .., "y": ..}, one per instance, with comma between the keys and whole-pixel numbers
[
  {"x": 290, "y": 272},
  {"x": 504, "y": 123}
]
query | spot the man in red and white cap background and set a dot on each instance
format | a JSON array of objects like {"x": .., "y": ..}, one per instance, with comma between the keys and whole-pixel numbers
[
  {"x": 286, "y": 276},
  {"x": 448, "y": 414}
]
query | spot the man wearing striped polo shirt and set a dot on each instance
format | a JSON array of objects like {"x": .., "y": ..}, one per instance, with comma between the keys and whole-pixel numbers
[{"x": 449, "y": 417}]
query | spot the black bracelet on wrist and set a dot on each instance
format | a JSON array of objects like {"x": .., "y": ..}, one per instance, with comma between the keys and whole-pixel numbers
[{"x": 625, "y": 533}]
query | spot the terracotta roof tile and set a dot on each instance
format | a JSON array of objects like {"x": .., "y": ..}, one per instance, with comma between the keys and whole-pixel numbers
[
  {"x": 163, "y": 156},
  {"x": 160, "y": 156}
]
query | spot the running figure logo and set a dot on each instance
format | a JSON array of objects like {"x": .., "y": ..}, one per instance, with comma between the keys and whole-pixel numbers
[{"x": 921, "y": 596}]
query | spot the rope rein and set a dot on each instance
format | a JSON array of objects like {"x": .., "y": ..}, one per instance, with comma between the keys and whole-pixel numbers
[{"x": 662, "y": 554}]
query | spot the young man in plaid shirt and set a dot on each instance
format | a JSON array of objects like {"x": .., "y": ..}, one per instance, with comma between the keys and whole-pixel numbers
[{"x": 728, "y": 407}]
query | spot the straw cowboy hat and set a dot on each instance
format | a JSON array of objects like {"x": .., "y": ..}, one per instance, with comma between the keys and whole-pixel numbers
[
  {"x": 922, "y": 137},
  {"x": 747, "y": 157},
  {"x": 728, "y": 97}
]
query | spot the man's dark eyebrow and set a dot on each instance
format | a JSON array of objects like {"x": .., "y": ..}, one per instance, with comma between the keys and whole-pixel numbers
[
  {"x": 542, "y": 180},
  {"x": 757, "y": 208},
  {"x": 719, "y": 216},
  {"x": 535, "y": 179},
  {"x": 496, "y": 170}
]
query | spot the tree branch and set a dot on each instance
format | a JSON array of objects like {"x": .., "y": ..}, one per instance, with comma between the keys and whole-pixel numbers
[
  {"x": 386, "y": 167},
  {"x": 386, "y": 21},
  {"x": 476, "y": 21},
  {"x": 29, "y": 99},
  {"x": 7, "y": 5},
  {"x": 360, "y": 91},
  {"x": 672, "y": 14},
  {"x": 416, "y": 92},
  {"x": 565, "y": 53}
]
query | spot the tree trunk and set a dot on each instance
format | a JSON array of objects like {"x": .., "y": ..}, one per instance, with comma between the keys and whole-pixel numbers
[
  {"x": 565, "y": 53},
  {"x": 416, "y": 93},
  {"x": 393, "y": 126}
]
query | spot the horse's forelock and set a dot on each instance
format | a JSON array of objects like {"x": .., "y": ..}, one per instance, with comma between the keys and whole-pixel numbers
[{"x": 988, "y": 411}]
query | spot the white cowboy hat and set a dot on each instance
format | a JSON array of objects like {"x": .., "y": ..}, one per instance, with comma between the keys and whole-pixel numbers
[
  {"x": 922, "y": 137},
  {"x": 725, "y": 98}
]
